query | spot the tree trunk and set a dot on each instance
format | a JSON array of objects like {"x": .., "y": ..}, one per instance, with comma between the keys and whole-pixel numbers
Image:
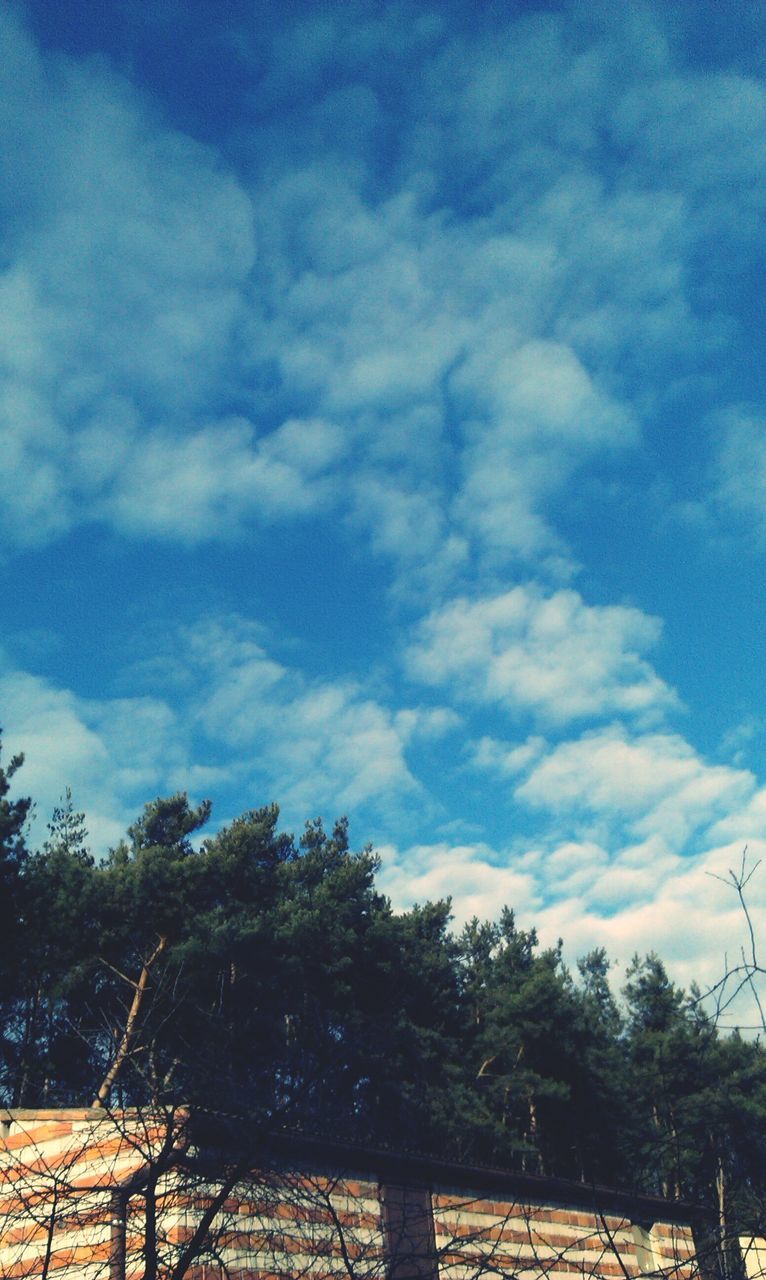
[{"x": 126, "y": 1041}]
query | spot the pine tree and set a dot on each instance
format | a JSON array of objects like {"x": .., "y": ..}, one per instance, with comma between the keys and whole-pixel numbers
[
  {"x": 13, "y": 853},
  {"x": 60, "y": 936}
]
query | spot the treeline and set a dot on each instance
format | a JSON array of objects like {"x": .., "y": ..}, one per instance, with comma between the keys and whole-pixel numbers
[{"x": 262, "y": 975}]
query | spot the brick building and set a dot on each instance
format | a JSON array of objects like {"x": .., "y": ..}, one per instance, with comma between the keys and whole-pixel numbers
[{"x": 95, "y": 1195}]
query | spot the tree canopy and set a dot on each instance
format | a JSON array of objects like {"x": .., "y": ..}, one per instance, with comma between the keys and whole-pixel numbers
[{"x": 255, "y": 973}]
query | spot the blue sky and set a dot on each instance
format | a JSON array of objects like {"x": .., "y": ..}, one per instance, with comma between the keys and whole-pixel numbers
[{"x": 383, "y": 403}]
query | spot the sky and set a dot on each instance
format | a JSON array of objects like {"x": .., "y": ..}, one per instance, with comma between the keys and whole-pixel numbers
[{"x": 383, "y": 432}]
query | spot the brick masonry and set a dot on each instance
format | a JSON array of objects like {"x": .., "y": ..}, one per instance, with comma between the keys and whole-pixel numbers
[{"x": 119, "y": 1196}]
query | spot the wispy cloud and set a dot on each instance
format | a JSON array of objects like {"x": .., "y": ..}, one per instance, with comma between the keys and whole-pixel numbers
[
  {"x": 468, "y": 346},
  {"x": 323, "y": 743},
  {"x": 740, "y": 469},
  {"x": 113, "y": 753},
  {"x": 211, "y": 483},
  {"x": 241, "y": 724}
]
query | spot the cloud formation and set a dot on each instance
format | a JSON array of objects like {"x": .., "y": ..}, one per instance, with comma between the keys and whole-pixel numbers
[
  {"x": 469, "y": 346},
  {"x": 232, "y": 719},
  {"x": 427, "y": 325},
  {"x": 552, "y": 656},
  {"x": 740, "y": 468},
  {"x": 654, "y": 784}
]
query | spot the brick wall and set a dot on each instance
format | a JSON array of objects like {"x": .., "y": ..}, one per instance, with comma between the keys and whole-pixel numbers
[
  {"x": 91, "y": 1196},
  {"x": 530, "y": 1240},
  {"x": 753, "y": 1249}
]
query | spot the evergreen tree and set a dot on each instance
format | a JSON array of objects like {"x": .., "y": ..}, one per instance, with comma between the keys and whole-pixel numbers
[
  {"x": 13, "y": 854},
  {"x": 603, "y": 1106},
  {"x": 60, "y": 938},
  {"x": 254, "y": 974},
  {"x": 526, "y": 1035}
]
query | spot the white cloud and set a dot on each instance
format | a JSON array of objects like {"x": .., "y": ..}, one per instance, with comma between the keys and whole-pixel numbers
[
  {"x": 325, "y": 746},
  {"x": 653, "y": 783},
  {"x": 470, "y": 874},
  {"x": 505, "y": 760},
  {"x": 551, "y": 655},
  {"x": 114, "y": 754},
  {"x": 745, "y": 822},
  {"x": 683, "y": 912},
  {"x": 208, "y": 483},
  {"x": 643, "y": 900},
  {"x": 406, "y": 523},
  {"x": 452, "y": 366},
  {"x": 533, "y": 414},
  {"x": 121, "y": 290},
  {"x": 740, "y": 467},
  {"x": 436, "y": 319},
  {"x": 541, "y": 392},
  {"x": 321, "y": 744},
  {"x": 708, "y": 133},
  {"x": 242, "y": 724}
]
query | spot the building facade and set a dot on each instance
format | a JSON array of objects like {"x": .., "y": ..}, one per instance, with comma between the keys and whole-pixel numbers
[{"x": 174, "y": 1195}]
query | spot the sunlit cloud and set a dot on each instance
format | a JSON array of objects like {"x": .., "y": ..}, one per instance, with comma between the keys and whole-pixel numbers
[
  {"x": 654, "y": 784},
  {"x": 551, "y": 655}
]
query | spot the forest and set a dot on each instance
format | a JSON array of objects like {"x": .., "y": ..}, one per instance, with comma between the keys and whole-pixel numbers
[{"x": 264, "y": 976}]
